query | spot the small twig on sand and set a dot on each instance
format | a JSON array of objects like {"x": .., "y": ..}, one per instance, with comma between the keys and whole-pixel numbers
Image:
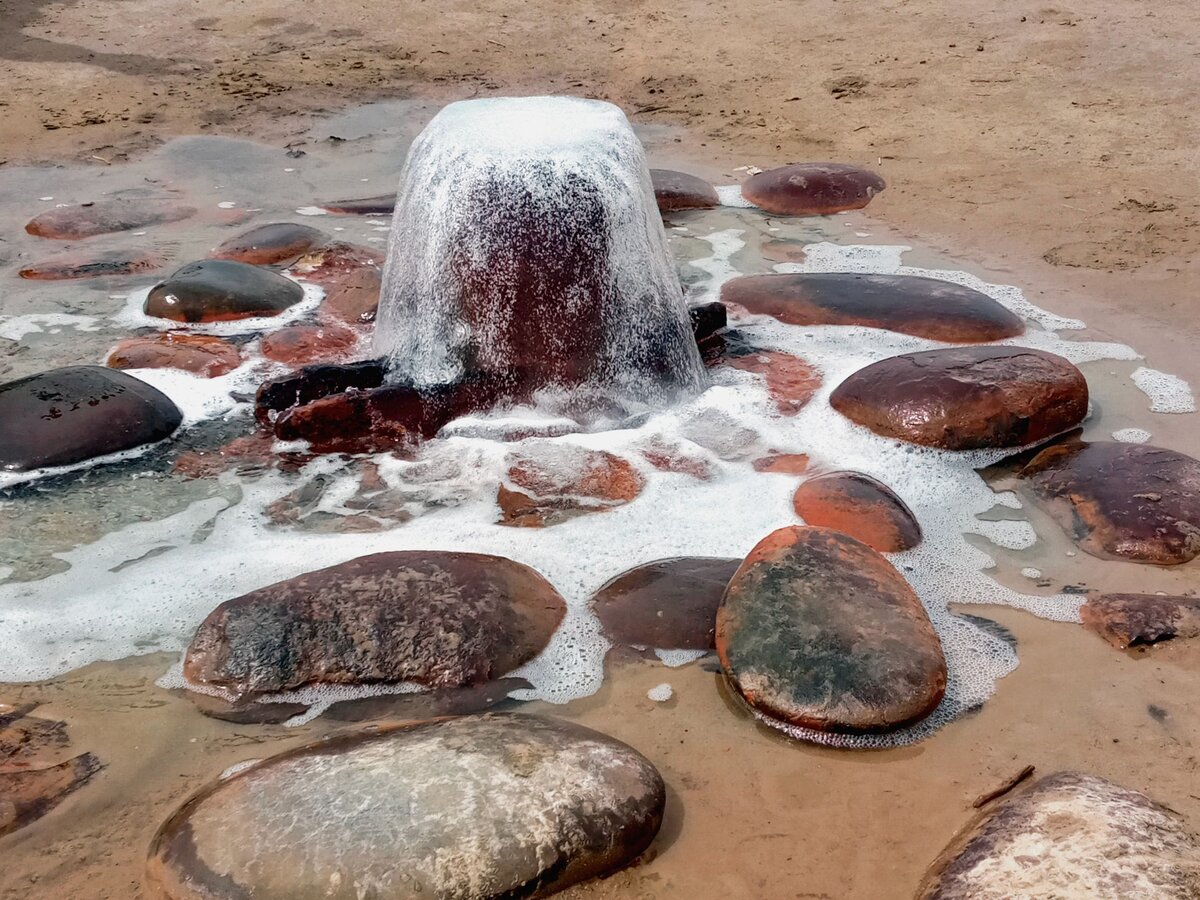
[
  {"x": 107, "y": 162},
  {"x": 987, "y": 798},
  {"x": 497, "y": 43}
]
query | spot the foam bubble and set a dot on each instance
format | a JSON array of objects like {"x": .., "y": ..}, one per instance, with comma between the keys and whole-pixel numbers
[
  {"x": 731, "y": 195},
  {"x": 675, "y": 658},
  {"x": 1167, "y": 393},
  {"x": 660, "y": 693},
  {"x": 14, "y": 328},
  {"x": 1131, "y": 435}
]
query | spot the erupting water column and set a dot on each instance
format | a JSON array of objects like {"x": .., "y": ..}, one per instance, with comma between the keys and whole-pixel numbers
[{"x": 527, "y": 249}]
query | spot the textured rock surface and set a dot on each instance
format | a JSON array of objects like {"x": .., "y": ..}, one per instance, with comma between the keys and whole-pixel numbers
[
  {"x": 812, "y": 189},
  {"x": 817, "y": 629},
  {"x": 302, "y": 344},
  {"x": 200, "y": 354},
  {"x": 68, "y": 415},
  {"x": 679, "y": 190},
  {"x": 549, "y": 482},
  {"x": 782, "y": 463},
  {"x": 926, "y": 307},
  {"x": 217, "y": 290},
  {"x": 1128, "y": 619},
  {"x": 965, "y": 398},
  {"x": 313, "y": 382},
  {"x": 1122, "y": 501},
  {"x": 355, "y": 297},
  {"x": 480, "y": 807},
  {"x": 362, "y": 206},
  {"x": 860, "y": 506},
  {"x": 70, "y": 223},
  {"x": 69, "y": 266},
  {"x": 791, "y": 381},
  {"x": 437, "y": 618},
  {"x": 269, "y": 245},
  {"x": 1070, "y": 835},
  {"x": 669, "y": 604}
]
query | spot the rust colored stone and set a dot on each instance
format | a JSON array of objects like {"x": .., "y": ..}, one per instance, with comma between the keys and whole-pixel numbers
[
  {"x": 791, "y": 381},
  {"x": 303, "y": 344},
  {"x": 363, "y": 206},
  {"x": 331, "y": 265},
  {"x": 70, "y": 266},
  {"x": 966, "y": 398},
  {"x": 217, "y": 290},
  {"x": 671, "y": 457},
  {"x": 551, "y": 482},
  {"x": 925, "y": 307},
  {"x": 1126, "y": 620},
  {"x": 812, "y": 189},
  {"x": 200, "y": 354},
  {"x": 363, "y": 421},
  {"x": 678, "y": 190},
  {"x": 858, "y": 505},
  {"x": 72, "y": 223},
  {"x": 818, "y": 630},
  {"x": 782, "y": 463},
  {"x": 312, "y": 383},
  {"x": 268, "y": 245},
  {"x": 437, "y": 618},
  {"x": 1122, "y": 501},
  {"x": 353, "y": 298},
  {"x": 246, "y": 453}
]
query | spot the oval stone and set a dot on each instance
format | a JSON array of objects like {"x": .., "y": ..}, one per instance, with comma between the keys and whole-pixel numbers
[
  {"x": 355, "y": 297},
  {"x": 679, "y": 190},
  {"x": 484, "y": 807},
  {"x": 812, "y": 189},
  {"x": 1070, "y": 835},
  {"x": 965, "y": 398},
  {"x": 860, "y": 506},
  {"x": 1122, "y": 501},
  {"x": 1127, "y": 620},
  {"x": 218, "y": 290},
  {"x": 72, "y": 223},
  {"x": 300, "y": 344},
  {"x": 200, "y": 354},
  {"x": 925, "y": 307},
  {"x": 818, "y": 630},
  {"x": 362, "y": 206},
  {"x": 72, "y": 266},
  {"x": 549, "y": 482},
  {"x": 72, "y": 414},
  {"x": 670, "y": 604},
  {"x": 437, "y": 618},
  {"x": 268, "y": 245}
]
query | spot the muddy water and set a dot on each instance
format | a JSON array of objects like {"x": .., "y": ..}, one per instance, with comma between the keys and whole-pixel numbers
[{"x": 751, "y": 813}]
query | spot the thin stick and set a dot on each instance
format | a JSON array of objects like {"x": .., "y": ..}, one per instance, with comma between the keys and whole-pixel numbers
[{"x": 1004, "y": 788}]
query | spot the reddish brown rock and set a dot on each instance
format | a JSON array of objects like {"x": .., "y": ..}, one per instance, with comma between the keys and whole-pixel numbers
[
  {"x": 97, "y": 265},
  {"x": 269, "y": 245},
  {"x": 965, "y": 398},
  {"x": 925, "y": 307},
  {"x": 1122, "y": 501},
  {"x": 812, "y": 189},
  {"x": 312, "y": 383},
  {"x": 791, "y": 381},
  {"x": 217, "y": 290},
  {"x": 437, "y": 618},
  {"x": 363, "y": 206},
  {"x": 200, "y": 354},
  {"x": 678, "y": 190},
  {"x": 672, "y": 457},
  {"x": 858, "y": 505},
  {"x": 549, "y": 482},
  {"x": 354, "y": 298},
  {"x": 670, "y": 604},
  {"x": 1126, "y": 620},
  {"x": 818, "y": 630},
  {"x": 332, "y": 264},
  {"x": 364, "y": 421},
  {"x": 72, "y": 223},
  {"x": 251, "y": 452},
  {"x": 302, "y": 344},
  {"x": 782, "y": 463}
]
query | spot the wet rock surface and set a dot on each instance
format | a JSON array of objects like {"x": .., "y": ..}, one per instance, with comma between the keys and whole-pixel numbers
[
  {"x": 269, "y": 245},
  {"x": 1122, "y": 501},
  {"x": 200, "y": 354},
  {"x": 1127, "y": 620},
  {"x": 669, "y": 604},
  {"x": 362, "y": 206},
  {"x": 333, "y": 264},
  {"x": 782, "y": 463},
  {"x": 966, "y": 398},
  {"x": 790, "y": 380},
  {"x": 678, "y": 190},
  {"x": 303, "y": 344},
  {"x": 818, "y": 630},
  {"x": 71, "y": 223},
  {"x": 382, "y": 812},
  {"x": 355, "y": 297},
  {"x": 217, "y": 290},
  {"x": 548, "y": 483},
  {"x": 70, "y": 266},
  {"x": 72, "y": 414},
  {"x": 437, "y": 618},
  {"x": 314, "y": 382},
  {"x": 812, "y": 189},
  {"x": 1070, "y": 835},
  {"x": 925, "y": 307},
  {"x": 860, "y": 506}
]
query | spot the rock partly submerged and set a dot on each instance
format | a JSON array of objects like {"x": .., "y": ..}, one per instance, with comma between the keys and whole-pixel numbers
[
  {"x": 674, "y": 191},
  {"x": 71, "y": 223},
  {"x": 548, "y": 482},
  {"x": 1127, "y": 620},
  {"x": 200, "y": 354},
  {"x": 812, "y": 189},
  {"x": 268, "y": 245},
  {"x": 218, "y": 290},
  {"x": 73, "y": 266},
  {"x": 860, "y": 506}
]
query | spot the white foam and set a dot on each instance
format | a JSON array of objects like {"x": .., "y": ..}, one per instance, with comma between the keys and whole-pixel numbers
[
  {"x": 675, "y": 658},
  {"x": 1032, "y": 573},
  {"x": 1131, "y": 435},
  {"x": 660, "y": 693},
  {"x": 1167, "y": 393},
  {"x": 312, "y": 211},
  {"x": 731, "y": 195},
  {"x": 14, "y": 328}
]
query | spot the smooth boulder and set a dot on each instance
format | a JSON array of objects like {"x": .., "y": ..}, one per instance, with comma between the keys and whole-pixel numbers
[
  {"x": 674, "y": 191},
  {"x": 72, "y": 223},
  {"x": 200, "y": 354},
  {"x": 438, "y": 618},
  {"x": 966, "y": 398},
  {"x": 73, "y": 414},
  {"x": 548, "y": 482},
  {"x": 1070, "y": 835},
  {"x": 484, "y": 807},
  {"x": 1127, "y": 620},
  {"x": 1135, "y": 502},
  {"x": 268, "y": 245},
  {"x": 218, "y": 290},
  {"x": 818, "y": 630},
  {"x": 381, "y": 205},
  {"x": 73, "y": 266},
  {"x": 925, "y": 307},
  {"x": 860, "y": 506},
  {"x": 812, "y": 189},
  {"x": 304, "y": 344}
]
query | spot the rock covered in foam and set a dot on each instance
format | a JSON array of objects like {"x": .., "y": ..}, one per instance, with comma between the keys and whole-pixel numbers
[
  {"x": 925, "y": 307},
  {"x": 332, "y": 264},
  {"x": 437, "y": 618},
  {"x": 526, "y": 244},
  {"x": 303, "y": 344},
  {"x": 965, "y": 398},
  {"x": 200, "y": 354},
  {"x": 818, "y": 630},
  {"x": 674, "y": 191},
  {"x": 1070, "y": 835},
  {"x": 548, "y": 482},
  {"x": 71, "y": 266},
  {"x": 268, "y": 245},
  {"x": 782, "y": 463},
  {"x": 218, "y": 290},
  {"x": 71, "y": 223},
  {"x": 860, "y": 506},
  {"x": 73, "y": 414},
  {"x": 1126, "y": 620},
  {"x": 483, "y": 807},
  {"x": 790, "y": 380},
  {"x": 812, "y": 189},
  {"x": 1122, "y": 501},
  {"x": 669, "y": 604}
]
